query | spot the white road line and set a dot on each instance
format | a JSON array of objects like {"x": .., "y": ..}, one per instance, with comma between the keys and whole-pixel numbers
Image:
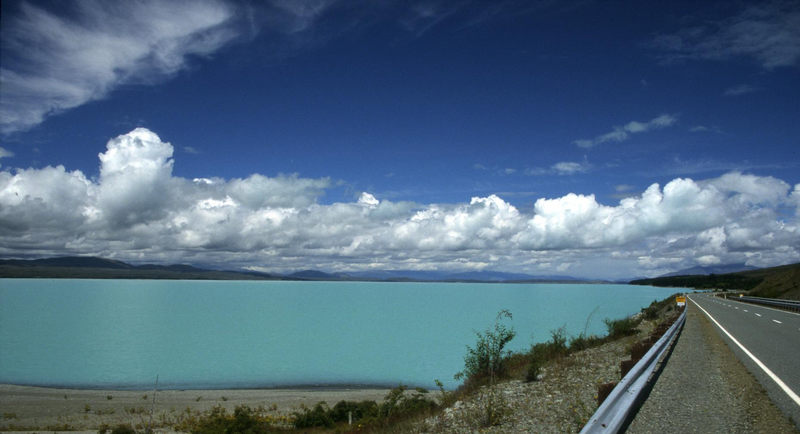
[
  {"x": 777, "y": 321},
  {"x": 782, "y": 311},
  {"x": 758, "y": 314},
  {"x": 745, "y": 310},
  {"x": 761, "y": 365}
]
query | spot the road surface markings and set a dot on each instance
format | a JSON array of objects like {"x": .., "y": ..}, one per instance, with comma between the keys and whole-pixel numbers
[
  {"x": 758, "y": 314},
  {"x": 793, "y": 396},
  {"x": 777, "y": 321},
  {"x": 745, "y": 310},
  {"x": 782, "y": 311}
]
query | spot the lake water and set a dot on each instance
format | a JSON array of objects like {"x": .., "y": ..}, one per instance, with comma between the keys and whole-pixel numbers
[{"x": 224, "y": 334}]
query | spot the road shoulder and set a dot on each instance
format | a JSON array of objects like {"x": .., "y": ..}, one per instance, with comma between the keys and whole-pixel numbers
[{"x": 705, "y": 388}]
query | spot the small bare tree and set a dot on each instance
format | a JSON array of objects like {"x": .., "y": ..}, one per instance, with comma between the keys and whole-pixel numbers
[{"x": 486, "y": 360}]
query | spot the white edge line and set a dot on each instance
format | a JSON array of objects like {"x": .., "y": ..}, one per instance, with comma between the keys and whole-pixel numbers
[
  {"x": 763, "y": 367},
  {"x": 777, "y": 321}
]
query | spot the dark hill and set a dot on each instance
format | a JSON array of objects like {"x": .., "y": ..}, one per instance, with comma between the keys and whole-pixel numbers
[
  {"x": 180, "y": 268},
  {"x": 68, "y": 261},
  {"x": 773, "y": 282},
  {"x": 315, "y": 275},
  {"x": 79, "y": 267}
]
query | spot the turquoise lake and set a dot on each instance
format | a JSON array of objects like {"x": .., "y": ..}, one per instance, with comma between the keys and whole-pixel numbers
[{"x": 229, "y": 334}]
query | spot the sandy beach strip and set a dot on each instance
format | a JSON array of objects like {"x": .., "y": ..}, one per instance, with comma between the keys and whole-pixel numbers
[{"x": 85, "y": 409}]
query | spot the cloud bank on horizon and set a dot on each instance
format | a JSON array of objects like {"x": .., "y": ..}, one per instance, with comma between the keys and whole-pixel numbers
[{"x": 138, "y": 210}]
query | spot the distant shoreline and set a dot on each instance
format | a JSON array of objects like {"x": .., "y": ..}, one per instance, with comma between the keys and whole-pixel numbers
[
  {"x": 79, "y": 267},
  {"x": 332, "y": 387}
]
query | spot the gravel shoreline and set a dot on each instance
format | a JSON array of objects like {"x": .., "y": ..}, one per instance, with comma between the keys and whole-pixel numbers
[{"x": 49, "y": 409}]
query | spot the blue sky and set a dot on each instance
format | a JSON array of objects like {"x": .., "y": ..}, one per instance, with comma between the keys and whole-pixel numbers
[{"x": 599, "y": 139}]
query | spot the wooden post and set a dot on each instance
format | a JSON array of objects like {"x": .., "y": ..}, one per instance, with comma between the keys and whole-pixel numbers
[{"x": 153, "y": 406}]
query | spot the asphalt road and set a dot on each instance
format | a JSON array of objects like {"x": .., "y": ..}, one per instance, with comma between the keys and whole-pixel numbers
[{"x": 772, "y": 336}]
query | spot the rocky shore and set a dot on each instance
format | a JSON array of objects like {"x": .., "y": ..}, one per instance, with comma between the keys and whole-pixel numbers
[
  {"x": 703, "y": 388},
  {"x": 562, "y": 401}
]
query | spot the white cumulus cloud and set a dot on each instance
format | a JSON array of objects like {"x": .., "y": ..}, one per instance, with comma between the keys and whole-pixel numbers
[{"x": 138, "y": 210}]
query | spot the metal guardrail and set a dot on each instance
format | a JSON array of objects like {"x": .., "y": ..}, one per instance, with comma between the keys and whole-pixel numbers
[
  {"x": 612, "y": 415},
  {"x": 783, "y": 304}
]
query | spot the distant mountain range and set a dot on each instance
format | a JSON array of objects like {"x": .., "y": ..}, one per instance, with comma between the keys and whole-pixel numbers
[
  {"x": 79, "y": 267},
  {"x": 429, "y": 276},
  {"x": 480, "y": 276},
  {"x": 712, "y": 269}
]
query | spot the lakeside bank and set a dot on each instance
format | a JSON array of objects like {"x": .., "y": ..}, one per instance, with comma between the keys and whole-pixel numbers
[{"x": 51, "y": 409}]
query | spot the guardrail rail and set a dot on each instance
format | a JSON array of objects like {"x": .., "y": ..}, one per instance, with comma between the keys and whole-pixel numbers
[
  {"x": 775, "y": 302},
  {"x": 613, "y": 413}
]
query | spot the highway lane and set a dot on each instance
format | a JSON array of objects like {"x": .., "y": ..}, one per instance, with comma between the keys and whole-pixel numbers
[{"x": 772, "y": 336}]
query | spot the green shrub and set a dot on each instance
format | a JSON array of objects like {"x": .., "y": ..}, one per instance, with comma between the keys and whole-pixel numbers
[
  {"x": 359, "y": 410},
  {"x": 218, "y": 421},
  {"x": 396, "y": 405},
  {"x": 243, "y": 420},
  {"x": 445, "y": 398},
  {"x": 651, "y": 312},
  {"x": 621, "y": 327},
  {"x": 318, "y": 416},
  {"x": 582, "y": 342},
  {"x": 123, "y": 429},
  {"x": 399, "y": 403},
  {"x": 554, "y": 348},
  {"x": 558, "y": 340},
  {"x": 543, "y": 352},
  {"x": 533, "y": 370},
  {"x": 487, "y": 358}
]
